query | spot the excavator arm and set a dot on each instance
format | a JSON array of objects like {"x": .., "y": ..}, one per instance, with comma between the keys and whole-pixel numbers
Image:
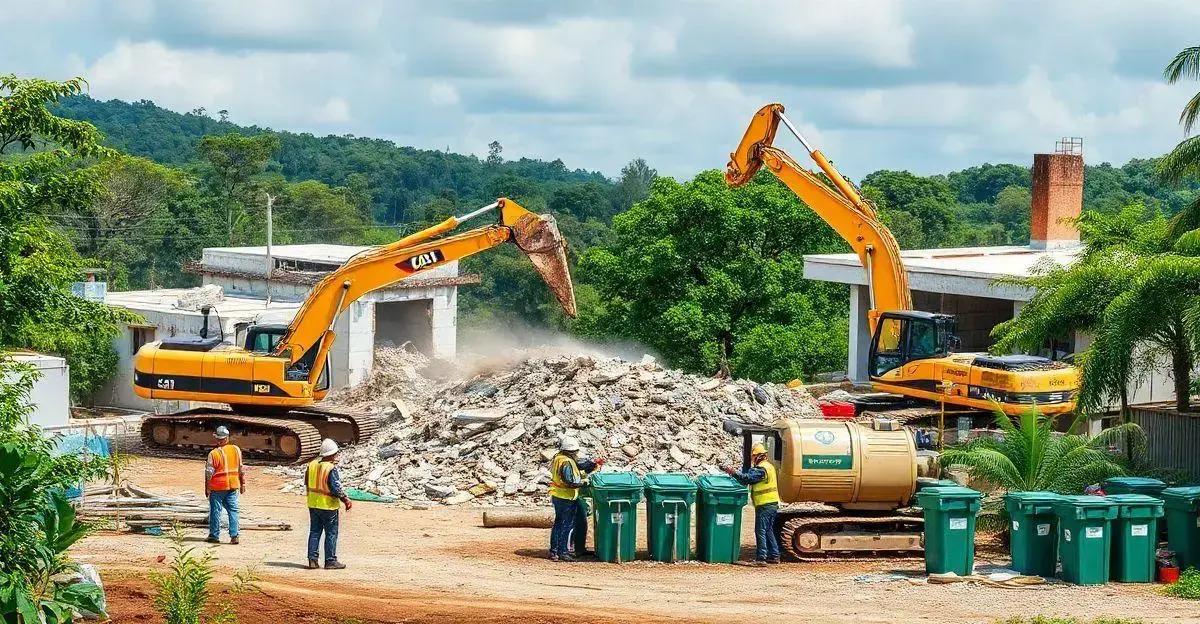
[
  {"x": 536, "y": 235},
  {"x": 840, "y": 205}
]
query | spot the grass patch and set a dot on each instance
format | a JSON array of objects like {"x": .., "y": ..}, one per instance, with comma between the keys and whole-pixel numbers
[
  {"x": 1188, "y": 586},
  {"x": 1045, "y": 619}
]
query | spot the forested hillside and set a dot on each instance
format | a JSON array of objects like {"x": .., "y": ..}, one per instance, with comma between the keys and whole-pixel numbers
[{"x": 709, "y": 277}]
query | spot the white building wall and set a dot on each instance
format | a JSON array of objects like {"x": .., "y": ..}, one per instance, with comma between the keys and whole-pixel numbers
[{"x": 50, "y": 396}]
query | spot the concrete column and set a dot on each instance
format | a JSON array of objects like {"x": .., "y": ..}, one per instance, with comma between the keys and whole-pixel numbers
[{"x": 860, "y": 334}]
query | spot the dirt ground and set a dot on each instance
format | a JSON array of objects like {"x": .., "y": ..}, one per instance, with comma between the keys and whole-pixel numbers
[{"x": 442, "y": 566}]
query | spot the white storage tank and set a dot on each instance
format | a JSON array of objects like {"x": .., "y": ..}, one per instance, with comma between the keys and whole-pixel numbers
[{"x": 51, "y": 395}]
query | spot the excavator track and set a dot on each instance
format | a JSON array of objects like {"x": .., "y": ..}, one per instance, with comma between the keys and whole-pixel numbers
[
  {"x": 292, "y": 437},
  {"x": 806, "y": 537}
]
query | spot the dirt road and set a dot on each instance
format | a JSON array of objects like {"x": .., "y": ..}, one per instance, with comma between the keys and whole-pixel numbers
[{"x": 441, "y": 566}]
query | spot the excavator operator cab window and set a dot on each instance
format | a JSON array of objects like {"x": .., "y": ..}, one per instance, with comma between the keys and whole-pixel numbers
[{"x": 901, "y": 338}]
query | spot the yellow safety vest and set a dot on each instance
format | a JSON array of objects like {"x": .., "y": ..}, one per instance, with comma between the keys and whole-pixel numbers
[
  {"x": 766, "y": 491},
  {"x": 227, "y": 468},
  {"x": 558, "y": 487},
  {"x": 316, "y": 481}
]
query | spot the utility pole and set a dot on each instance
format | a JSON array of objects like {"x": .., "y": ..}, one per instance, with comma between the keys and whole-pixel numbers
[{"x": 270, "y": 260}]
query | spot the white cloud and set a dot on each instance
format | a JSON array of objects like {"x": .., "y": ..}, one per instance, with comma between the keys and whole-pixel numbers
[{"x": 906, "y": 84}]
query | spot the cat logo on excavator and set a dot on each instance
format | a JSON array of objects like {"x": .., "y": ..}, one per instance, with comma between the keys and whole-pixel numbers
[{"x": 422, "y": 260}]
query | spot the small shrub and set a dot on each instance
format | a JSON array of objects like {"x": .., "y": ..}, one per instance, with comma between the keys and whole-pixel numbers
[
  {"x": 1187, "y": 587},
  {"x": 183, "y": 593}
]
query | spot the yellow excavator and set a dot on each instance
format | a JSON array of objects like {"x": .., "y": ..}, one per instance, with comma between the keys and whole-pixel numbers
[
  {"x": 912, "y": 352},
  {"x": 272, "y": 382},
  {"x": 865, "y": 472}
]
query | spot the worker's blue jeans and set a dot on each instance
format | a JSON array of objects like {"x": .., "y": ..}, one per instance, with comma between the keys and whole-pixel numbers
[
  {"x": 322, "y": 521},
  {"x": 564, "y": 522},
  {"x": 766, "y": 544},
  {"x": 222, "y": 501}
]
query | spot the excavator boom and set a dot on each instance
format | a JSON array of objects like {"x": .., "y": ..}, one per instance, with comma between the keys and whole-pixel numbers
[{"x": 836, "y": 201}]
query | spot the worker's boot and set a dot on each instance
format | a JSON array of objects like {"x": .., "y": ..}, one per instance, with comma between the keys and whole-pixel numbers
[
  {"x": 774, "y": 560},
  {"x": 213, "y": 540},
  {"x": 234, "y": 540},
  {"x": 335, "y": 565},
  {"x": 313, "y": 564}
]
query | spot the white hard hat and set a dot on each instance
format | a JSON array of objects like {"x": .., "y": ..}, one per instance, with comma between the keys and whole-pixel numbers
[
  {"x": 221, "y": 433},
  {"x": 569, "y": 444},
  {"x": 328, "y": 447}
]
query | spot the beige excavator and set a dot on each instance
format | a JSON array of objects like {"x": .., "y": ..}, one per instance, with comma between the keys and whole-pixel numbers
[
  {"x": 867, "y": 472},
  {"x": 273, "y": 382}
]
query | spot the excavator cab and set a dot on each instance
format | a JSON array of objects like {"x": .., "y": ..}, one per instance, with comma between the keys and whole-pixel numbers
[{"x": 901, "y": 337}]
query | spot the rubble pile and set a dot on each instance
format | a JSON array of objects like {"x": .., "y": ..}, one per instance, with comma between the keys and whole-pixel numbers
[{"x": 489, "y": 438}]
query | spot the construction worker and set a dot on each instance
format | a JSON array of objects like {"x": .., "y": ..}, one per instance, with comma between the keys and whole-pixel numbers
[
  {"x": 566, "y": 477},
  {"x": 764, "y": 493},
  {"x": 224, "y": 479},
  {"x": 324, "y": 487}
]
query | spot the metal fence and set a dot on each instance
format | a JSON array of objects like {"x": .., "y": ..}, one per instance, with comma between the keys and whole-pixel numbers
[{"x": 1173, "y": 439}]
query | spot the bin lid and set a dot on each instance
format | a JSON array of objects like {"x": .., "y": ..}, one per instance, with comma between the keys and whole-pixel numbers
[
  {"x": 1085, "y": 500},
  {"x": 1187, "y": 493},
  {"x": 1033, "y": 497},
  {"x": 1135, "y": 499},
  {"x": 1135, "y": 482},
  {"x": 719, "y": 484},
  {"x": 669, "y": 481},
  {"x": 949, "y": 492},
  {"x": 615, "y": 481}
]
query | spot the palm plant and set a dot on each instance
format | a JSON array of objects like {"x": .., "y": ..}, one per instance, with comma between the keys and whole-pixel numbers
[
  {"x": 1031, "y": 456},
  {"x": 1184, "y": 161}
]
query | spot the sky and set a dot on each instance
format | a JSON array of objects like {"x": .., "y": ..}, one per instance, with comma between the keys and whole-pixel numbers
[{"x": 929, "y": 86}]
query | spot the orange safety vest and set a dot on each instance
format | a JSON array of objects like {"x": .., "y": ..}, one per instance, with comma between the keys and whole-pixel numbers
[
  {"x": 316, "y": 482},
  {"x": 227, "y": 468}
]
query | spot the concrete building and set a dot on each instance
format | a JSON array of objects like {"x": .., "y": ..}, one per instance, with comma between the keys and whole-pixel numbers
[
  {"x": 421, "y": 310},
  {"x": 964, "y": 281}
]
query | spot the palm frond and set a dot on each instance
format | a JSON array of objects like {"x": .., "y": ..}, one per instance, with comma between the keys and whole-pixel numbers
[
  {"x": 987, "y": 464},
  {"x": 1185, "y": 65},
  {"x": 1181, "y": 162}
]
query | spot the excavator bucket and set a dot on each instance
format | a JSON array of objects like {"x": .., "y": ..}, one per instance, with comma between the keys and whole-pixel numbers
[{"x": 539, "y": 238}]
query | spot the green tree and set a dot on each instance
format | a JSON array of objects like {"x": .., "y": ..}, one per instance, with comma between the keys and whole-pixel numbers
[
  {"x": 42, "y": 174},
  {"x": 235, "y": 160},
  {"x": 1031, "y": 456},
  {"x": 494, "y": 150},
  {"x": 634, "y": 184},
  {"x": 1133, "y": 290},
  {"x": 1183, "y": 162},
  {"x": 930, "y": 201},
  {"x": 712, "y": 277}
]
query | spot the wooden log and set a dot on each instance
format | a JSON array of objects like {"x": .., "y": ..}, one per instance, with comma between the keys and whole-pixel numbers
[{"x": 518, "y": 518}]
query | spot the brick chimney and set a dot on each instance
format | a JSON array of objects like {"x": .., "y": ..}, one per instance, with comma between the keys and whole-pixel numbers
[{"x": 1057, "y": 195}]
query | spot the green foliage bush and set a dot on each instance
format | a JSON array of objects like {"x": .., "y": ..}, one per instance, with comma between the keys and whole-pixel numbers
[
  {"x": 183, "y": 594},
  {"x": 1188, "y": 585},
  {"x": 37, "y": 524}
]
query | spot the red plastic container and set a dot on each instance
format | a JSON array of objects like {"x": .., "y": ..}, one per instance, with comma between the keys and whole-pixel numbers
[
  {"x": 837, "y": 410},
  {"x": 1168, "y": 575}
]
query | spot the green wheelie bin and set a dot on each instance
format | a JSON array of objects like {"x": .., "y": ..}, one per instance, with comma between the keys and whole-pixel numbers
[
  {"x": 1134, "y": 485},
  {"x": 615, "y": 498},
  {"x": 719, "y": 518},
  {"x": 1034, "y": 535},
  {"x": 1182, "y": 507},
  {"x": 1135, "y": 537},
  {"x": 669, "y": 500},
  {"x": 949, "y": 528},
  {"x": 1085, "y": 538}
]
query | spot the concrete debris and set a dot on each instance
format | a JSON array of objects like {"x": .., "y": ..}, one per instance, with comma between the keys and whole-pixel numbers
[
  {"x": 487, "y": 436},
  {"x": 196, "y": 298}
]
